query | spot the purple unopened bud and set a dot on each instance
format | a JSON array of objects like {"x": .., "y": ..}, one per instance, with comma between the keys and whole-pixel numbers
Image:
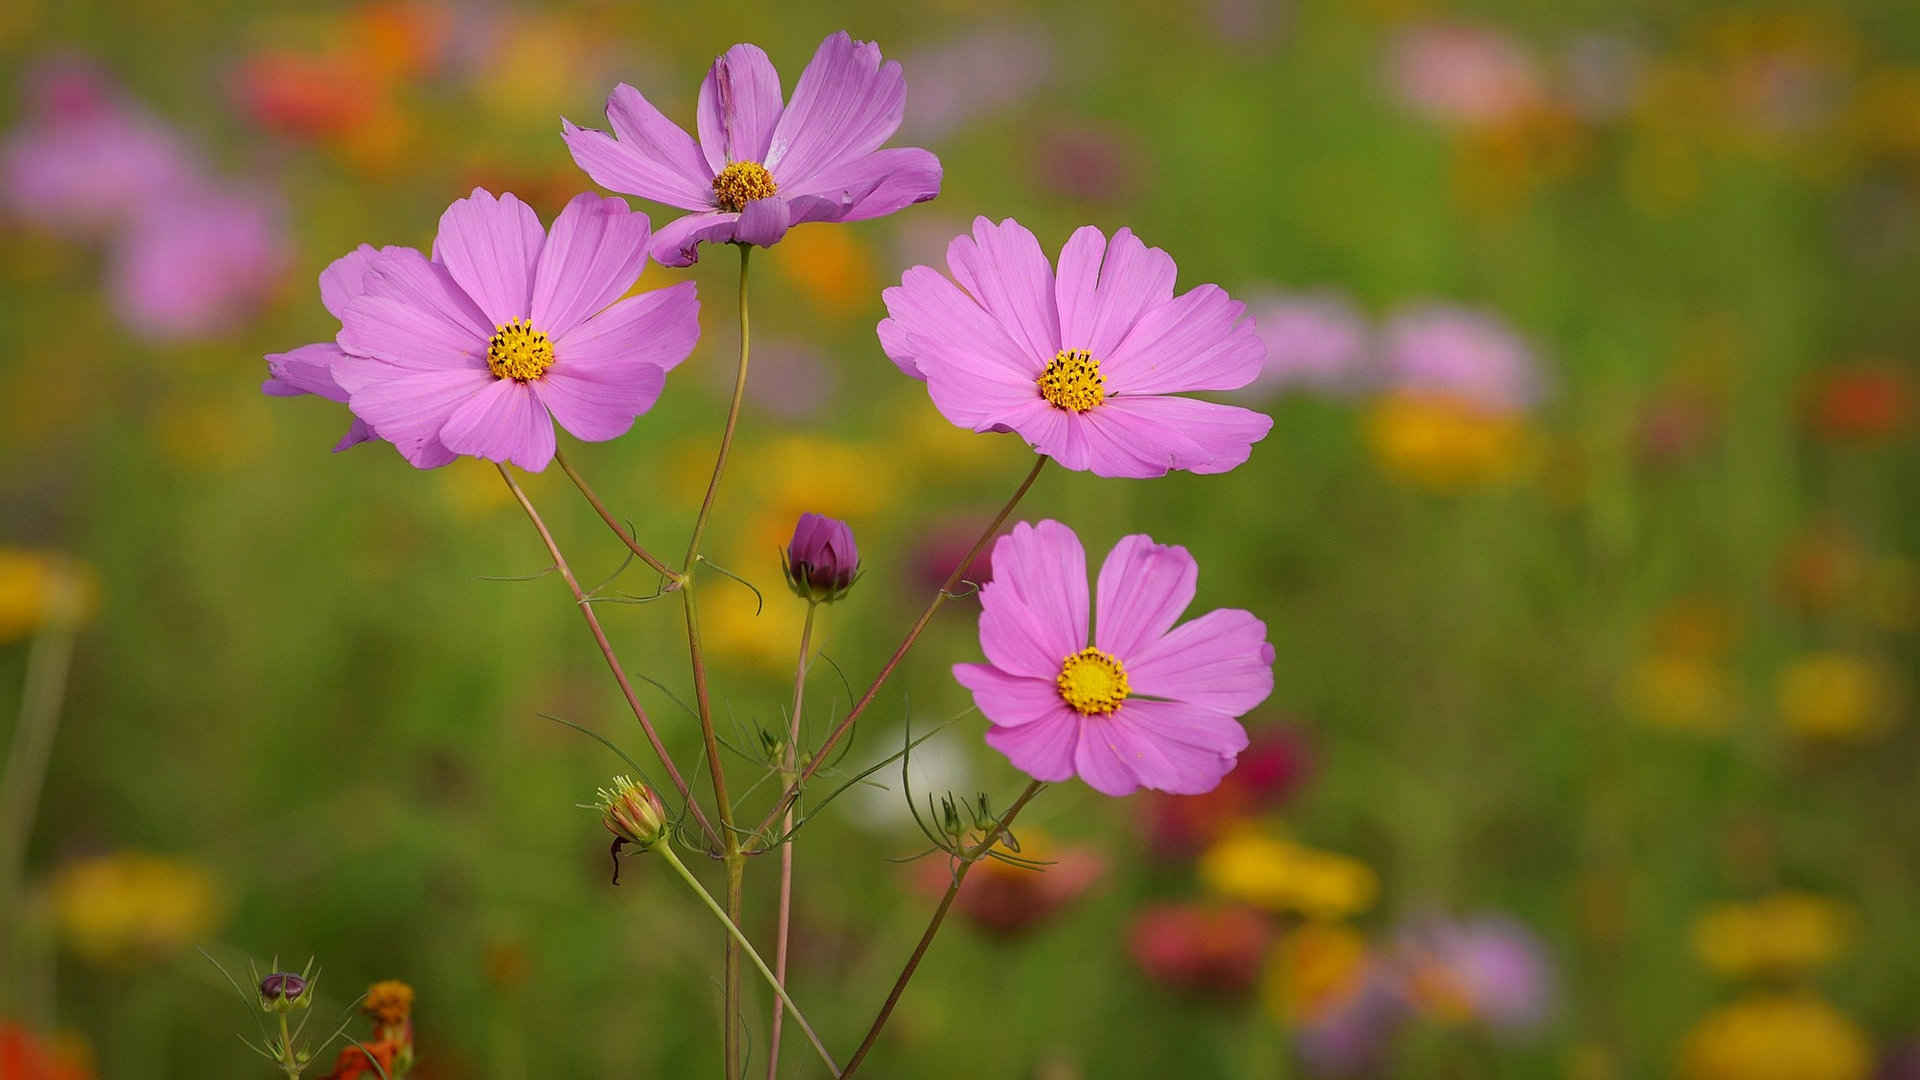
[
  {"x": 282, "y": 991},
  {"x": 822, "y": 561}
]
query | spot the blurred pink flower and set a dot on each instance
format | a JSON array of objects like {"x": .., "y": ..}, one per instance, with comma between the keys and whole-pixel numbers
[
  {"x": 1462, "y": 354},
  {"x": 1315, "y": 341},
  {"x": 1352, "y": 1036},
  {"x": 1464, "y": 73},
  {"x": 1488, "y": 969},
  {"x": 1274, "y": 765},
  {"x": 1149, "y": 704},
  {"x": 941, "y": 545},
  {"x": 84, "y": 156},
  {"x": 1086, "y": 367},
  {"x": 1083, "y": 163},
  {"x": 510, "y": 328},
  {"x": 199, "y": 262},
  {"x": 966, "y": 78},
  {"x": 761, "y": 167},
  {"x": 1202, "y": 949},
  {"x": 1008, "y": 901},
  {"x": 791, "y": 379}
]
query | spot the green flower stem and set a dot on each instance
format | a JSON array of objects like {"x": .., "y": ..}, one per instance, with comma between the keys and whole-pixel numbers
[
  {"x": 665, "y": 851},
  {"x": 48, "y": 663},
  {"x": 788, "y": 765},
  {"x": 729, "y": 836},
  {"x": 606, "y": 650},
  {"x": 946, "y": 588},
  {"x": 967, "y": 858}
]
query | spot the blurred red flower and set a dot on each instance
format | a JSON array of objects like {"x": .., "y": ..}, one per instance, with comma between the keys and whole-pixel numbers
[{"x": 1201, "y": 948}]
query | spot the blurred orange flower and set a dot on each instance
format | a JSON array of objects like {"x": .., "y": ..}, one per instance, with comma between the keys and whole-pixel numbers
[
  {"x": 1837, "y": 696},
  {"x": 129, "y": 905},
  {"x": 44, "y": 588},
  {"x": 1776, "y": 1036},
  {"x": 1446, "y": 444}
]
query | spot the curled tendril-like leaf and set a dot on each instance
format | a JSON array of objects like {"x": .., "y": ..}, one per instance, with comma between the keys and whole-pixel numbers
[{"x": 759, "y": 601}]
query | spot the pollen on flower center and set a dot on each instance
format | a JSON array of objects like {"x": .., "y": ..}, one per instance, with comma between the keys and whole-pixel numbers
[
  {"x": 1073, "y": 382},
  {"x": 741, "y": 183},
  {"x": 518, "y": 351},
  {"x": 1092, "y": 682}
]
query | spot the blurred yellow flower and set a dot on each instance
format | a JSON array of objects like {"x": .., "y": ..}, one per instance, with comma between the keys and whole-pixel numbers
[
  {"x": 1312, "y": 970},
  {"x": 118, "y": 907},
  {"x": 1681, "y": 692},
  {"x": 1835, "y": 695},
  {"x": 1447, "y": 444},
  {"x": 830, "y": 266},
  {"x": 1784, "y": 1036},
  {"x": 1269, "y": 872},
  {"x": 44, "y": 588},
  {"x": 1788, "y": 933}
]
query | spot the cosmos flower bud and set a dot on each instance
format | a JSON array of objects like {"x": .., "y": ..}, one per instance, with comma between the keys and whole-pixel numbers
[
  {"x": 283, "y": 991},
  {"x": 633, "y": 813},
  {"x": 822, "y": 561}
]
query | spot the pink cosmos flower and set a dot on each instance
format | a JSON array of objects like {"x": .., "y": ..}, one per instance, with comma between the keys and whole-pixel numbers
[
  {"x": 1464, "y": 354},
  {"x": 1147, "y": 704},
  {"x": 1464, "y": 73},
  {"x": 84, "y": 156},
  {"x": 1084, "y": 367},
  {"x": 480, "y": 349},
  {"x": 761, "y": 167},
  {"x": 199, "y": 262},
  {"x": 1315, "y": 341},
  {"x": 309, "y": 368}
]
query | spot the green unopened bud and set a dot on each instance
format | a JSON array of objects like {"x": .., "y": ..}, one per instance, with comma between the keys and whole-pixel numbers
[{"x": 633, "y": 813}]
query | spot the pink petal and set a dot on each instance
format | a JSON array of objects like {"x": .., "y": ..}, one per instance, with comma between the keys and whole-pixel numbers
[
  {"x": 1008, "y": 700},
  {"x": 408, "y": 406},
  {"x": 1197, "y": 341},
  {"x": 845, "y": 105},
  {"x": 344, "y": 278},
  {"x": 651, "y": 157},
  {"x": 763, "y": 222},
  {"x": 1005, "y": 270},
  {"x": 657, "y": 329},
  {"x": 612, "y": 367},
  {"x": 982, "y": 398},
  {"x": 1033, "y": 614},
  {"x": 1042, "y": 749},
  {"x": 677, "y": 243},
  {"x": 359, "y": 431},
  {"x": 945, "y": 326},
  {"x": 413, "y": 315},
  {"x": 1219, "y": 661},
  {"x": 897, "y": 342},
  {"x": 503, "y": 422},
  {"x": 1101, "y": 301},
  {"x": 1142, "y": 590},
  {"x": 305, "y": 370},
  {"x": 490, "y": 246},
  {"x": 739, "y": 106},
  {"x": 1114, "y": 450},
  {"x": 1185, "y": 433},
  {"x": 600, "y": 404},
  {"x": 594, "y": 254},
  {"x": 1176, "y": 748},
  {"x": 1106, "y": 754},
  {"x": 867, "y": 187}
]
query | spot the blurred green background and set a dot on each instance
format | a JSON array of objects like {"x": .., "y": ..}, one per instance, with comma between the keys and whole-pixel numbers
[{"x": 1619, "y": 669}]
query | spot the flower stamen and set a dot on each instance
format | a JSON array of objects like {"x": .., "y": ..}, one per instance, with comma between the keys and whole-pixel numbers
[
  {"x": 1092, "y": 682},
  {"x": 740, "y": 183},
  {"x": 1073, "y": 381},
  {"x": 518, "y": 351}
]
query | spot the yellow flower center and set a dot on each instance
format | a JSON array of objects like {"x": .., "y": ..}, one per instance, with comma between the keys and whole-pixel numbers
[
  {"x": 518, "y": 351},
  {"x": 1073, "y": 382},
  {"x": 742, "y": 182},
  {"x": 1092, "y": 682}
]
